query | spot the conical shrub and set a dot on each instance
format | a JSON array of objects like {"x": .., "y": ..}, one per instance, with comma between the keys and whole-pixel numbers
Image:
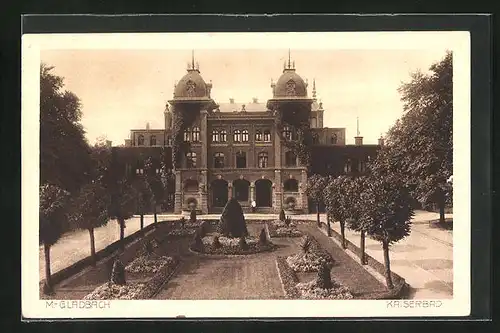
[
  {"x": 198, "y": 242},
  {"x": 232, "y": 221},
  {"x": 118, "y": 273},
  {"x": 324, "y": 279},
  {"x": 263, "y": 237},
  {"x": 216, "y": 243},
  {"x": 243, "y": 243},
  {"x": 192, "y": 216},
  {"x": 282, "y": 215}
]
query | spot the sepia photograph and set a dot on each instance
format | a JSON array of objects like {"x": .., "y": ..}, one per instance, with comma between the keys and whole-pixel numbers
[{"x": 258, "y": 174}]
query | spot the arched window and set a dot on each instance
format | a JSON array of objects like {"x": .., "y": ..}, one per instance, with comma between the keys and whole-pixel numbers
[
  {"x": 244, "y": 135},
  {"x": 191, "y": 159},
  {"x": 258, "y": 135},
  {"x": 287, "y": 133},
  {"x": 291, "y": 185},
  {"x": 140, "y": 140},
  {"x": 333, "y": 139},
  {"x": 187, "y": 135},
  {"x": 362, "y": 166},
  {"x": 218, "y": 160},
  {"x": 267, "y": 136},
  {"x": 314, "y": 122},
  {"x": 290, "y": 158},
  {"x": 347, "y": 166},
  {"x": 152, "y": 140},
  {"x": 241, "y": 159},
  {"x": 223, "y": 135},
  {"x": 215, "y": 135},
  {"x": 196, "y": 134},
  {"x": 237, "y": 135},
  {"x": 263, "y": 160}
]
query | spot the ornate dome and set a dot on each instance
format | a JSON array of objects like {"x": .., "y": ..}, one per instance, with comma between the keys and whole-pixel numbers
[
  {"x": 290, "y": 85},
  {"x": 191, "y": 86}
]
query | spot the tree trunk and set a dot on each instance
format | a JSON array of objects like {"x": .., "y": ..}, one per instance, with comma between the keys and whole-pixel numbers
[
  {"x": 328, "y": 230},
  {"x": 121, "y": 222},
  {"x": 48, "y": 276},
  {"x": 142, "y": 221},
  {"x": 362, "y": 246},
  {"x": 317, "y": 215},
  {"x": 441, "y": 211},
  {"x": 92, "y": 246},
  {"x": 155, "y": 214},
  {"x": 388, "y": 277},
  {"x": 342, "y": 232}
]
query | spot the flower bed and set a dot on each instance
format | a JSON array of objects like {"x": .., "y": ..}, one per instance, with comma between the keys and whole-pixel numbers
[
  {"x": 145, "y": 264},
  {"x": 308, "y": 262},
  {"x": 115, "y": 291},
  {"x": 187, "y": 231},
  {"x": 163, "y": 267},
  {"x": 288, "y": 278},
  {"x": 281, "y": 224},
  {"x": 311, "y": 290},
  {"x": 231, "y": 246},
  {"x": 287, "y": 232}
]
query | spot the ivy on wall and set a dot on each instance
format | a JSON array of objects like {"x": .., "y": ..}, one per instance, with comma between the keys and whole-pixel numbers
[{"x": 296, "y": 116}]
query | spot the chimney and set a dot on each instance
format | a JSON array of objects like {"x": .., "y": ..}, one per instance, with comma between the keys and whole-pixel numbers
[
  {"x": 255, "y": 100},
  {"x": 231, "y": 100},
  {"x": 109, "y": 143},
  {"x": 358, "y": 140}
]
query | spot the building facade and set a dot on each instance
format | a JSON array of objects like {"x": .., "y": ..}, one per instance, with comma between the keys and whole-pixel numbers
[{"x": 236, "y": 149}]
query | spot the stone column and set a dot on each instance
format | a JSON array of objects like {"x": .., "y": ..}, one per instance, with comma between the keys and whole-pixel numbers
[
  {"x": 203, "y": 139},
  {"x": 277, "y": 191},
  {"x": 252, "y": 192},
  {"x": 277, "y": 148},
  {"x": 203, "y": 192},
  {"x": 178, "y": 193},
  {"x": 229, "y": 190}
]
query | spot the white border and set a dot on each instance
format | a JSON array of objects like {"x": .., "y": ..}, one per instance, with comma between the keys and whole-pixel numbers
[{"x": 458, "y": 42}]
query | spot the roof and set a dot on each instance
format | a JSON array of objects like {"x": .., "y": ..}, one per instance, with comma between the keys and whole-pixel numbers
[
  {"x": 248, "y": 107},
  {"x": 191, "y": 86}
]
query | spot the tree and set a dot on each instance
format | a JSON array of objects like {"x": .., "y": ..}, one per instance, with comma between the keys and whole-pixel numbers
[
  {"x": 155, "y": 183},
  {"x": 89, "y": 210},
  {"x": 354, "y": 190},
  {"x": 315, "y": 187},
  {"x": 144, "y": 197},
  {"x": 386, "y": 215},
  {"x": 52, "y": 210},
  {"x": 337, "y": 202},
  {"x": 64, "y": 151},
  {"x": 123, "y": 204},
  {"x": 419, "y": 147},
  {"x": 232, "y": 220}
]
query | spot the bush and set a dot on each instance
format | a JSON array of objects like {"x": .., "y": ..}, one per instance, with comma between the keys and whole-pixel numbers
[
  {"x": 288, "y": 221},
  {"x": 148, "y": 248},
  {"x": 282, "y": 215},
  {"x": 198, "y": 242},
  {"x": 305, "y": 244},
  {"x": 118, "y": 273},
  {"x": 263, "y": 237},
  {"x": 232, "y": 220},
  {"x": 204, "y": 228},
  {"x": 182, "y": 221},
  {"x": 192, "y": 216},
  {"x": 243, "y": 243}
]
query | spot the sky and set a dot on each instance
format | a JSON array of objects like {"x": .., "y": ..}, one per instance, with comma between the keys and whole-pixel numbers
[{"x": 123, "y": 89}]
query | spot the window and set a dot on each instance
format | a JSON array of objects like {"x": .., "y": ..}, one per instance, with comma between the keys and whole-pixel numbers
[
  {"x": 187, "y": 135},
  {"x": 237, "y": 136},
  {"x": 355, "y": 165},
  {"x": 223, "y": 135},
  {"x": 241, "y": 159},
  {"x": 191, "y": 159},
  {"x": 244, "y": 136},
  {"x": 291, "y": 185},
  {"x": 169, "y": 140},
  {"x": 196, "y": 134},
  {"x": 315, "y": 139},
  {"x": 258, "y": 135},
  {"x": 347, "y": 166},
  {"x": 263, "y": 160},
  {"x": 152, "y": 140},
  {"x": 140, "y": 140},
  {"x": 314, "y": 123},
  {"x": 362, "y": 166},
  {"x": 290, "y": 158},
  {"x": 218, "y": 160},
  {"x": 267, "y": 136},
  {"x": 287, "y": 133},
  {"x": 191, "y": 185},
  {"x": 215, "y": 136},
  {"x": 333, "y": 139}
]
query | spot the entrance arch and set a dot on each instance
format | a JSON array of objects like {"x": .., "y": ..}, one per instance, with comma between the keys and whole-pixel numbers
[
  {"x": 240, "y": 189},
  {"x": 263, "y": 193},
  {"x": 219, "y": 193}
]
